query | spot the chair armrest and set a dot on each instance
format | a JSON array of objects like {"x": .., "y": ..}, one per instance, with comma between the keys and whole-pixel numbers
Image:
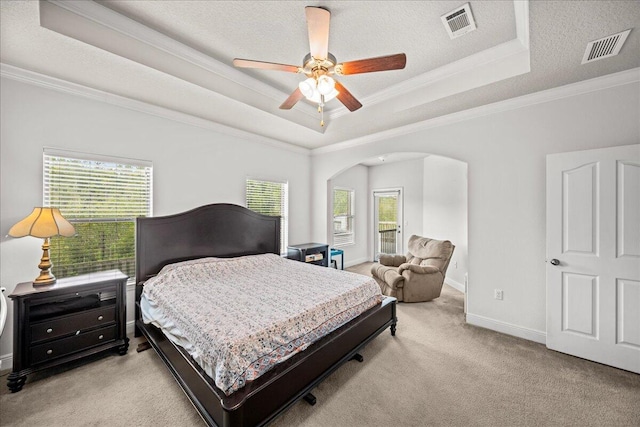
[
  {"x": 392, "y": 260},
  {"x": 419, "y": 269},
  {"x": 389, "y": 275}
]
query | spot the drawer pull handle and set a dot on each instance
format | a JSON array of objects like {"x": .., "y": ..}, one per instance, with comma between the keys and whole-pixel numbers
[
  {"x": 100, "y": 337},
  {"x": 100, "y": 317},
  {"x": 49, "y": 330},
  {"x": 49, "y": 351}
]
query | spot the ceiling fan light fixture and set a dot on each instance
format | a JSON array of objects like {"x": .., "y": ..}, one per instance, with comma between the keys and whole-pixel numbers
[
  {"x": 331, "y": 95},
  {"x": 308, "y": 87},
  {"x": 326, "y": 85},
  {"x": 313, "y": 89},
  {"x": 319, "y": 65},
  {"x": 316, "y": 98}
]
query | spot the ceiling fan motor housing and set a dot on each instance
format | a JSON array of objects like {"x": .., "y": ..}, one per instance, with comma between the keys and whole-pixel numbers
[{"x": 316, "y": 67}]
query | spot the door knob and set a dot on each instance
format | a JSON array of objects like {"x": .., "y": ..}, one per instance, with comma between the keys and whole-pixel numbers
[{"x": 554, "y": 262}]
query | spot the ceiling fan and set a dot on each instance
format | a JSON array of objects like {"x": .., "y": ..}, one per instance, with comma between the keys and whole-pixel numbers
[{"x": 319, "y": 65}]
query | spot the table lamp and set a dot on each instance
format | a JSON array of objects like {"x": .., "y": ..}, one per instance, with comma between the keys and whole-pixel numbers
[{"x": 43, "y": 223}]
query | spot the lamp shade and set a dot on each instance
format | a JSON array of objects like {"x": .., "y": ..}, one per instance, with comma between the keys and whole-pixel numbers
[{"x": 43, "y": 222}]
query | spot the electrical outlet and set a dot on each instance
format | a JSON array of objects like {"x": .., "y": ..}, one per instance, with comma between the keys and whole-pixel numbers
[
  {"x": 497, "y": 294},
  {"x": 455, "y": 264}
]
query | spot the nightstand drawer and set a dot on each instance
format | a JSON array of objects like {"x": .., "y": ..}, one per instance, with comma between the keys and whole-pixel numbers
[
  {"x": 72, "y": 323},
  {"x": 62, "y": 347}
]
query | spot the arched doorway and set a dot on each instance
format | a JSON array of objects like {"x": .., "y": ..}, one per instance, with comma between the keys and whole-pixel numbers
[{"x": 434, "y": 204}]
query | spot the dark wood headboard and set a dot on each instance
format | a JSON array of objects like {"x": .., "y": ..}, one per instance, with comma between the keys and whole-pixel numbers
[{"x": 220, "y": 230}]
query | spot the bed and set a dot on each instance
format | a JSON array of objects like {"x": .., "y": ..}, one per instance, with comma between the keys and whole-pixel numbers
[{"x": 230, "y": 231}]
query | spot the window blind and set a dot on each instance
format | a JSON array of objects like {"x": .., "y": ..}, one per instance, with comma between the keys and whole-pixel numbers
[
  {"x": 101, "y": 197},
  {"x": 270, "y": 198},
  {"x": 343, "y": 216}
]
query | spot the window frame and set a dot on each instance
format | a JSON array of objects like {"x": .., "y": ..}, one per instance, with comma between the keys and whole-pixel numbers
[
  {"x": 350, "y": 216},
  {"x": 284, "y": 218}
]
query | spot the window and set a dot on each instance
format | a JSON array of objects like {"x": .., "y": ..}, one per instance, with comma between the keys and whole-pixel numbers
[
  {"x": 270, "y": 198},
  {"x": 343, "y": 209},
  {"x": 101, "y": 197}
]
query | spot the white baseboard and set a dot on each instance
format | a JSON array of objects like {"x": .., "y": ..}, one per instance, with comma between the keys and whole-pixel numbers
[
  {"x": 351, "y": 263},
  {"x": 507, "y": 328},
  {"x": 130, "y": 326},
  {"x": 455, "y": 285},
  {"x": 6, "y": 363}
]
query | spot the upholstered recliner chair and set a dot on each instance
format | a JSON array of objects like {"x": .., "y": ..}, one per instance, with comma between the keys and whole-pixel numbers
[{"x": 419, "y": 275}]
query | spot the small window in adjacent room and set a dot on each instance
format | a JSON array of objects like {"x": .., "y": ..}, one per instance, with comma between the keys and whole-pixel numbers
[
  {"x": 343, "y": 216},
  {"x": 270, "y": 198},
  {"x": 101, "y": 197}
]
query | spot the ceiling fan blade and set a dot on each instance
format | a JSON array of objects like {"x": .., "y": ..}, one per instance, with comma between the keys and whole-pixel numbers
[
  {"x": 318, "y": 24},
  {"x": 346, "y": 98},
  {"x": 370, "y": 65},
  {"x": 247, "y": 63},
  {"x": 292, "y": 100}
]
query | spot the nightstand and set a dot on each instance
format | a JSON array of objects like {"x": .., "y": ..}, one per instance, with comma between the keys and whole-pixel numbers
[
  {"x": 314, "y": 253},
  {"x": 69, "y": 320}
]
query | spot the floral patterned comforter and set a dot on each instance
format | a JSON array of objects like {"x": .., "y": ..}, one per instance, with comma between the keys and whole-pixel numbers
[{"x": 244, "y": 315}]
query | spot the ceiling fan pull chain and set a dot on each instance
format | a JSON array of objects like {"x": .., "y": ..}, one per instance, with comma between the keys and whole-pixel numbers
[{"x": 321, "y": 110}]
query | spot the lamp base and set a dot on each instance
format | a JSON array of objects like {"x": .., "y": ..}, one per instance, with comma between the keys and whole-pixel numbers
[{"x": 45, "y": 277}]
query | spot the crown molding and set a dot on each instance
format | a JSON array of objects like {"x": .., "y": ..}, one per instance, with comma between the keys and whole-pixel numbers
[
  {"x": 507, "y": 57},
  {"x": 567, "y": 91},
  {"x": 128, "y": 27},
  {"x": 464, "y": 74},
  {"x": 521, "y": 10},
  {"x": 59, "y": 85},
  {"x": 511, "y": 57}
]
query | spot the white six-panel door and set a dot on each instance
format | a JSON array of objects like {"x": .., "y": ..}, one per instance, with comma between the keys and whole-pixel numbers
[{"x": 593, "y": 255}]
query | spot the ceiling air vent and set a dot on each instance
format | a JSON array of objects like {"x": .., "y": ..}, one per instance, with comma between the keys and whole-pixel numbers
[
  {"x": 459, "y": 21},
  {"x": 605, "y": 47}
]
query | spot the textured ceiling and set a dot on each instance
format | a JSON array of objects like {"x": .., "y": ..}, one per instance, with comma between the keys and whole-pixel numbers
[{"x": 275, "y": 31}]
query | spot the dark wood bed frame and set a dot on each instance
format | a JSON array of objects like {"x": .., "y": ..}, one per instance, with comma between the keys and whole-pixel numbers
[{"x": 225, "y": 230}]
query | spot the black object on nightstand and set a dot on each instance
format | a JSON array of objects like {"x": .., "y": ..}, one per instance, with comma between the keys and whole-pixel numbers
[
  {"x": 71, "y": 319},
  {"x": 314, "y": 253}
]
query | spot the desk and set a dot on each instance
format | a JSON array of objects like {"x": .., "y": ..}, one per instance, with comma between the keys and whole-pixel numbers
[{"x": 336, "y": 252}]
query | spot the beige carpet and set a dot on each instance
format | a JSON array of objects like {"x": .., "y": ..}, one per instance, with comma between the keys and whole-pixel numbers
[{"x": 437, "y": 371}]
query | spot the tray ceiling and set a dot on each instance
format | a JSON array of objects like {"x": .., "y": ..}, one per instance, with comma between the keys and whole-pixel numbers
[{"x": 177, "y": 55}]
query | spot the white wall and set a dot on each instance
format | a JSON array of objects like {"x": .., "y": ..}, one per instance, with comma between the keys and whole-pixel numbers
[
  {"x": 192, "y": 166},
  {"x": 445, "y": 210},
  {"x": 408, "y": 176},
  {"x": 505, "y": 152},
  {"x": 355, "y": 178}
]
